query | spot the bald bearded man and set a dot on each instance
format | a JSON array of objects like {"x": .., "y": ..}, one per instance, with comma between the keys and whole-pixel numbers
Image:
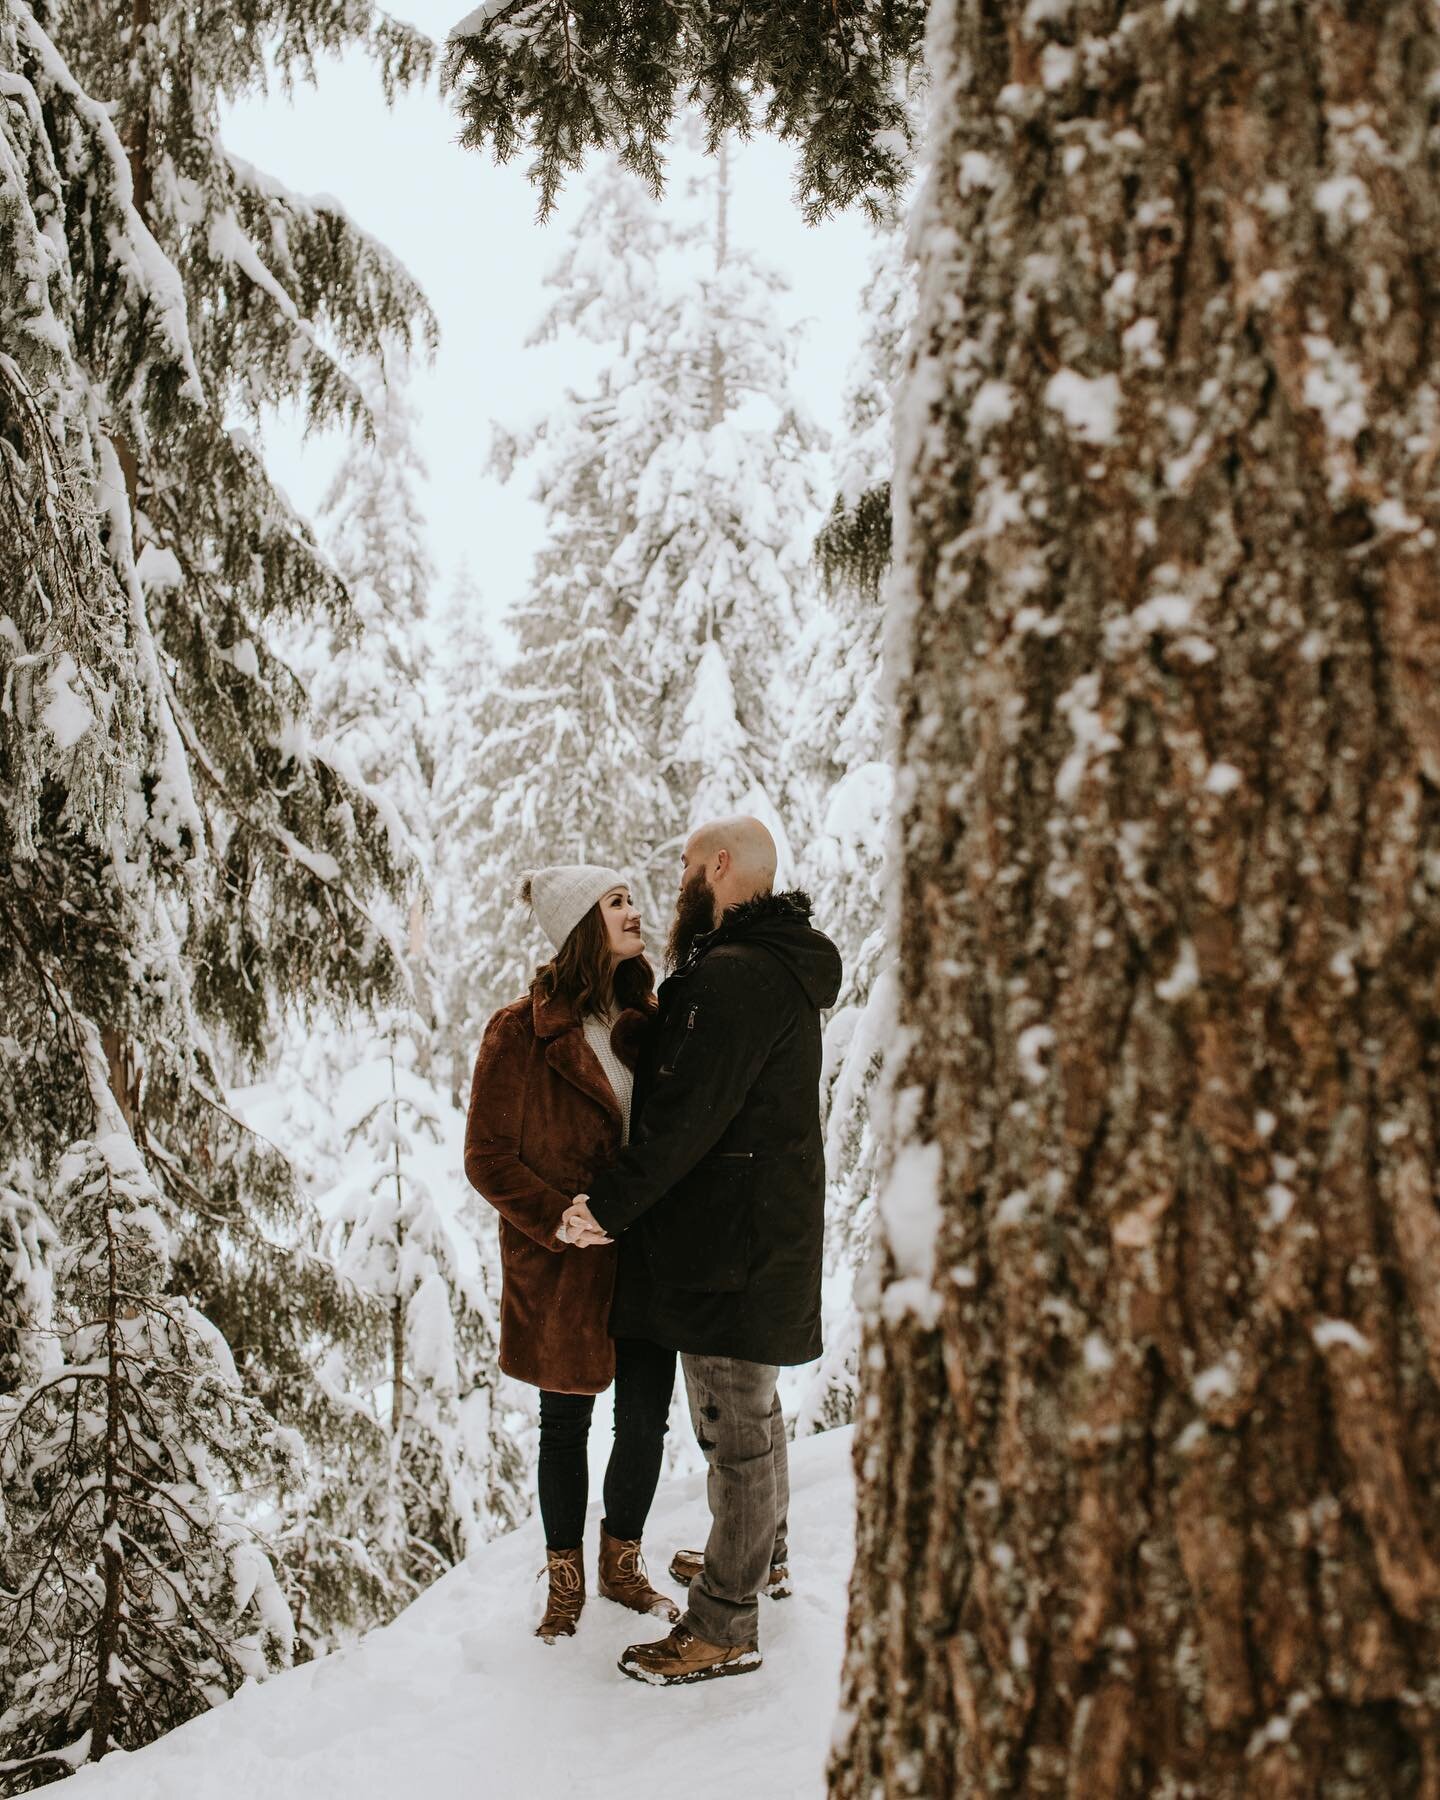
[{"x": 719, "y": 1206}]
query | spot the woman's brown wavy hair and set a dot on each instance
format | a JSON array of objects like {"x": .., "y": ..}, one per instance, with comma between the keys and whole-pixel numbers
[{"x": 581, "y": 975}]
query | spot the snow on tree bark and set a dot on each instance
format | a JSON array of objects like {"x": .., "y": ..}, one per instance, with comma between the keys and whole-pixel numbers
[{"x": 1148, "y": 1446}]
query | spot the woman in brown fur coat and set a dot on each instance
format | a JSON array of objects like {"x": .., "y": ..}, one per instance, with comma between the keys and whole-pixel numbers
[{"x": 550, "y": 1108}]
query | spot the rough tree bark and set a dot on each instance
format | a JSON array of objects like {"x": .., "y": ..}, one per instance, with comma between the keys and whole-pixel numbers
[{"x": 1149, "y": 1454}]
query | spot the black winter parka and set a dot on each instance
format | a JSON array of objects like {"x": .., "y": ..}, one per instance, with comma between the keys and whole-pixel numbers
[{"x": 719, "y": 1202}]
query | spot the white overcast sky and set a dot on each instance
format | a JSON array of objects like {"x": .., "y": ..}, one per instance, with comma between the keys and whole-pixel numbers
[{"x": 467, "y": 231}]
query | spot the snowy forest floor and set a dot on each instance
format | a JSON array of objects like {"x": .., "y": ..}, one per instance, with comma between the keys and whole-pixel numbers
[{"x": 457, "y": 1697}]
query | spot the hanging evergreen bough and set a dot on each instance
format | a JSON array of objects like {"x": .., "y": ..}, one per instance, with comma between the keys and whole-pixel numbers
[
  {"x": 583, "y": 75},
  {"x": 852, "y": 547}
]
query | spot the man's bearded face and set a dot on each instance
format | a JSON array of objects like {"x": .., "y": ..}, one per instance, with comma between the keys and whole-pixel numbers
[{"x": 694, "y": 916}]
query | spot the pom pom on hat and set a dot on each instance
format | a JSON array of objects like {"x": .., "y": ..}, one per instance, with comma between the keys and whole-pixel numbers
[{"x": 561, "y": 896}]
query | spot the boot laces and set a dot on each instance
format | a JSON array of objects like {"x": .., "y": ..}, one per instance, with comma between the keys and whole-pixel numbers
[{"x": 565, "y": 1575}]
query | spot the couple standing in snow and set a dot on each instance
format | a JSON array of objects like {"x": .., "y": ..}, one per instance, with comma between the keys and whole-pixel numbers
[{"x": 658, "y": 1168}]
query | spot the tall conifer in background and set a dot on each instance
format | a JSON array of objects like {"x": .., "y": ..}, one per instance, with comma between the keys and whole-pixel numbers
[
  {"x": 367, "y": 686},
  {"x": 715, "y": 557},
  {"x": 839, "y": 753},
  {"x": 410, "y": 1459},
  {"x": 652, "y": 682},
  {"x": 563, "y": 771},
  {"x": 463, "y": 695}
]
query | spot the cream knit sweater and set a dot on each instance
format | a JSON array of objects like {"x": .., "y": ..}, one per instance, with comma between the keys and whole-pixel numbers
[{"x": 597, "y": 1036}]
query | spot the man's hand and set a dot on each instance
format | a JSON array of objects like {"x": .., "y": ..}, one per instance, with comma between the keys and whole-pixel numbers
[{"x": 580, "y": 1227}]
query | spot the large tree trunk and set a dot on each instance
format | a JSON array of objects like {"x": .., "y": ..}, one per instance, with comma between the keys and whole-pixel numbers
[{"x": 1149, "y": 1454}]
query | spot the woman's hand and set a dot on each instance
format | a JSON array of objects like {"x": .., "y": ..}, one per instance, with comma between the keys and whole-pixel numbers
[{"x": 580, "y": 1227}]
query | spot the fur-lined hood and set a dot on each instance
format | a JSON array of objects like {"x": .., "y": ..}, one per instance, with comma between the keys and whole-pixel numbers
[{"x": 781, "y": 924}]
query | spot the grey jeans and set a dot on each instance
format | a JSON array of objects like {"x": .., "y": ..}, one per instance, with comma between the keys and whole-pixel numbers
[{"x": 740, "y": 1427}]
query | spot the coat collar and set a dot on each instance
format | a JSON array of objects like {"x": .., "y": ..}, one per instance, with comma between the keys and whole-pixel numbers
[
  {"x": 791, "y": 904},
  {"x": 569, "y": 1055},
  {"x": 567, "y": 1052},
  {"x": 551, "y": 1015}
]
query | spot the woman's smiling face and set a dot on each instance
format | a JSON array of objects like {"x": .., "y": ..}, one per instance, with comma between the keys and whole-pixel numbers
[{"x": 622, "y": 924}]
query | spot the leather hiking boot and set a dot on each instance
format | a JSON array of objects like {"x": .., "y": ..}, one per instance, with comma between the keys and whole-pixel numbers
[
  {"x": 566, "y": 1569},
  {"x": 682, "y": 1658},
  {"x": 623, "y": 1578},
  {"x": 685, "y": 1565}
]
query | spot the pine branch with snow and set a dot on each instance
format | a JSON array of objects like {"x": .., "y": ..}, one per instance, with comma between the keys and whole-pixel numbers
[{"x": 566, "y": 80}]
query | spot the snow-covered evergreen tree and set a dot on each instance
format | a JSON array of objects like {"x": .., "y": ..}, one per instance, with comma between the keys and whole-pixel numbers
[
  {"x": 132, "y": 1595},
  {"x": 430, "y": 1499},
  {"x": 475, "y": 960},
  {"x": 178, "y": 860},
  {"x": 387, "y": 1503},
  {"x": 651, "y": 684},
  {"x": 367, "y": 687},
  {"x": 723, "y": 500}
]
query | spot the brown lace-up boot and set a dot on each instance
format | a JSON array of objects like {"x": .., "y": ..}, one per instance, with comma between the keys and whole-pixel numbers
[
  {"x": 623, "y": 1578},
  {"x": 682, "y": 1658},
  {"x": 566, "y": 1569},
  {"x": 685, "y": 1565}
]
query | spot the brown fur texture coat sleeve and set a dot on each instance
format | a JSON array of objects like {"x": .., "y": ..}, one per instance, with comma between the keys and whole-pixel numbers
[{"x": 492, "y": 1135}]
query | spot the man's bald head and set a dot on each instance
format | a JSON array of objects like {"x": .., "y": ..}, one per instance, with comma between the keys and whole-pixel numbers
[
  {"x": 742, "y": 847},
  {"x": 725, "y": 862}
]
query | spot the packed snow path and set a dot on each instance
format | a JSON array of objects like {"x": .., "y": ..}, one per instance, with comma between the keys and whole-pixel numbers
[{"x": 458, "y": 1699}]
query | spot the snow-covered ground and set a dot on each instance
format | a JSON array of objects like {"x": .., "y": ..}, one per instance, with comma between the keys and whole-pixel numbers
[{"x": 457, "y": 1698}]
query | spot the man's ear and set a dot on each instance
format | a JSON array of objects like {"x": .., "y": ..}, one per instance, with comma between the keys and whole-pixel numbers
[{"x": 722, "y": 863}]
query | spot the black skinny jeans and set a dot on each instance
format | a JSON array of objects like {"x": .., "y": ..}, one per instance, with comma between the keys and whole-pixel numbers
[{"x": 644, "y": 1381}]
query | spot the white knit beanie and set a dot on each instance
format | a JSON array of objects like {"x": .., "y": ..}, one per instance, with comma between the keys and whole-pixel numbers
[{"x": 562, "y": 896}]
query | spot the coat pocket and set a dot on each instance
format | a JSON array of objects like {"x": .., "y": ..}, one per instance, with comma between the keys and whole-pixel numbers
[
  {"x": 700, "y": 1240},
  {"x": 681, "y": 1039}
]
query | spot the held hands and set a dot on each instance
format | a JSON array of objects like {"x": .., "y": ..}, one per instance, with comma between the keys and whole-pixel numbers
[{"x": 580, "y": 1227}]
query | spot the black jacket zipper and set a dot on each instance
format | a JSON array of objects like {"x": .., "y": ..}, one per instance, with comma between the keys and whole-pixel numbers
[{"x": 669, "y": 1068}]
